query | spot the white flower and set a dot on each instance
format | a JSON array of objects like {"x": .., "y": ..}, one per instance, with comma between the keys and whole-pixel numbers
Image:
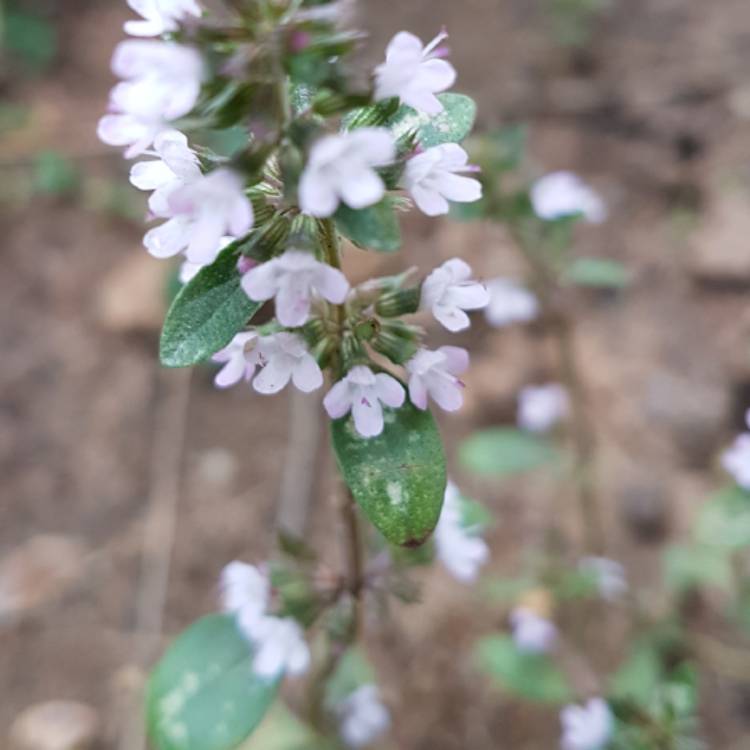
[
  {"x": 432, "y": 178},
  {"x": 531, "y": 633},
  {"x": 279, "y": 643},
  {"x": 284, "y": 357},
  {"x": 609, "y": 576},
  {"x": 736, "y": 459},
  {"x": 200, "y": 213},
  {"x": 541, "y": 407},
  {"x": 342, "y": 168},
  {"x": 280, "y": 647},
  {"x": 160, "y": 16},
  {"x": 414, "y": 73},
  {"x": 586, "y": 727},
  {"x": 463, "y": 553},
  {"x": 434, "y": 373},
  {"x": 240, "y": 359},
  {"x": 293, "y": 279},
  {"x": 361, "y": 391},
  {"x": 162, "y": 83},
  {"x": 449, "y": 290},
  {"x": 562, "y": 194},
  {"x": 176, "y": 166},
  {"x": 362, "y": 716},
  {"x": 509, "y": 303}
]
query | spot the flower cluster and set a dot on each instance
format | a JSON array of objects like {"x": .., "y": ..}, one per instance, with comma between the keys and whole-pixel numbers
[
  {"x": 541, "y": 407},
  {"x": 736, "y": 459},
  {"x": 532, "y": 633},
  {"x": 587, "y": 727},
  {"x": 362, "y": 716}
]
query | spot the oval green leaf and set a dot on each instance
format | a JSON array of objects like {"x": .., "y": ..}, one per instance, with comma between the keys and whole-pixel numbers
[
  {"x": 376, "y": 227},
  {"x": 452, "y": 125},
  {"x": 203, "y": 694},
  {"x": 207, "y": 313},
  {"x": 504, "y": 450},
  {"x": 397, "y": 478},
  {"x": 531, "y": 676}
]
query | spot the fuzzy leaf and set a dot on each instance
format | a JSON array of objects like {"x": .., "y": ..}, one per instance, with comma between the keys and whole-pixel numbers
[
  {"x": 203, "y": 695},
  {"x": 530, "y": 676},
  {"x": 452, "y": 125},
  {"x": 207, "y": 313},
  {"x": 397, "y": 478},
  {"x": 375, "y": 227},
  {"x": 504, "y": 450}
]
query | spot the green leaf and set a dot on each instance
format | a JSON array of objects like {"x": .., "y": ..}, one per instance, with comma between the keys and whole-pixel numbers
[
  {"x": 207, "y": 313},
  {"x": 54, "y": 173},
  {"x": 724, "y": 521},
  {"x": 353, "y": 671},
  {"x": 598, "y": 272},
  {"x": 376, "y": 227},
  {"x": 282, "y": 730},
  {"x": 31, "y": 37},
  {"x": 203, "y": 695},
  {"x": 452, "y": 125},
  {"x": 504, "y": 450},
  {"x": 688, "y": 567},
  {"x": 530, "y": 676},
  {"x": 398, "y": 478},
  {"x": 639, "y": 676}
]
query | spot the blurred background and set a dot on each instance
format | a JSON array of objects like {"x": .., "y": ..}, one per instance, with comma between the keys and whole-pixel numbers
[{"x": 124, "y": 489}]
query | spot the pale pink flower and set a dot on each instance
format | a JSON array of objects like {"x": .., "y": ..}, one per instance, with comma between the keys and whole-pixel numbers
[
  {"x": 587, "y": 727},
  {"x": 435, "y": 374},
  {"x": 240, "y": 359},
  {"x": 531, "y": 633},
  {"x": 293, "y": 279},
  {"x": 414, "y": 73},
  {"x": 285, "y": 357},
  {"x": 541, "y": 407},
  {"x": 736, "y": 459},
  {"x": 459, "y": 549},
  {"x": 361, "y": 391},
  {"x": 449, "y": 290},
  {"x": 561, "y": 194},
  {"x": 433, "y": 178},
  {"x": 342, "y": 168},
  {"x": 362, "y": 717},
  {"x": 200, "y": 213},
  {"x": 188, "y": 270},
  {"x": 608, "y": 575},
  {"x": 509, "y": 303},
  {"x": 160, "y": 16}
]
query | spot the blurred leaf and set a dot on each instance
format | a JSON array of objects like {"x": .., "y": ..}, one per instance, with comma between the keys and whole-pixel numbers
[
  {"x": 353, "y": 671},
  {"x": 691, "y": 566},
  {"x": 640, "y": 674},
  {"x": 474, "y": 515},
  {"x": 374, "y": 228},
  {"x": 54, "y": 174},
  {"x": 501, "y": 451},
  {"x": 452, "y": 125},
  {"x": 398, "y": 478},
  {"x": 209, "y": 310},
  {"x": 504, "y": 590},
  {"x": 282, "y": 730},
  {"x": 32, "y": 38},
  {"x": 724, "y": 520},
  {"x": 13, "y": 116},
  {"x": 530, "y": 676},
  {"x": 203, "y": 695},
  {"x": 597, "y": 272}
]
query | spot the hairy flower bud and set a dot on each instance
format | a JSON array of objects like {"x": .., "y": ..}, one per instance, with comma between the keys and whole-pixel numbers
[
  {"x": 267, "y": 241},
  {"x": 399, "y": 302},
  {"x": 397, "y": 341}
]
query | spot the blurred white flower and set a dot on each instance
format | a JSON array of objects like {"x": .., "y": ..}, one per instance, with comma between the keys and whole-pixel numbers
[
  {"x": 541, "y": 407},
  {"x": 449, "y": 290},
  {"x": 285, "y": 357},
  {"x": 162, "y": 82},
  {"x": 415, "y": 73},
  {"x": 361, "y": 391},
  {"x": 362, "y": 717},
  {"x": 462, "y": 551},
  {"x": 587, "y": 727},
  {"x": 736, "y": 458},
  {"x": 342, "y": 168},
  {"x": 240, "y": 359},
  {"x": 562, "y": 194},
  {"x": 509, "y": 303},
  {"x": 433, "y": 178},
  {"x": 278, "y": 642},
  {"x": 608, "y": 575},
  {"x": 160, "y": 16},
  {"x": 531, "y": 633},
  {"x": 293, "y": 279},
  {"x": 435, "y": 374}
]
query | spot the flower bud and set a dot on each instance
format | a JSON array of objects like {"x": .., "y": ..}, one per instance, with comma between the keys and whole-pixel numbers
[
  {"x": 352, "y": 351},
  {"x": 377, "y": 114},
  {"x": 399, "y": 302},
  {"x": 269, "y": 239},
  {"x": 397, "y": 341}
]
